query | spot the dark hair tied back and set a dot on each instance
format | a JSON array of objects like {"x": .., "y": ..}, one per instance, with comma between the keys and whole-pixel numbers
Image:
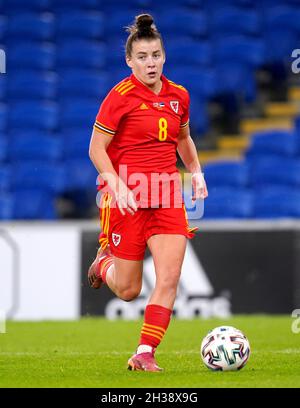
[
  {"x": 145, "y": 25},
  {"x": 142, "y": 28}
]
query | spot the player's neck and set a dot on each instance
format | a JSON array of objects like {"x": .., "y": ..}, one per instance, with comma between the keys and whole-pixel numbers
[{"x": 155, "y": 88}]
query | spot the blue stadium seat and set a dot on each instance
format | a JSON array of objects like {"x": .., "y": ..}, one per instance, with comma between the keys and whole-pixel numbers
[
  {"x": 33, "y": 204},
  {"x": 31, "y": 174},
  {"x": 5, "y": 178},
  {"x": 32, "y": 55},
  {"x": 79, "y": 113},
  {"x": 199, "y": 121},
  {"x": 285, "y": 40},
  {"x": 188, "y": 51},
  {"x": 13, "y": 6},
  {"x": 3, "y": 149},
  {"x": 191, "y": 22},
  {"x": 34, "y": 146},
  {"x": 6, "y": 207},
  {"x": 276, "y": 202},
  {"x": 282, "y": 17},
  {"x": 78, "y": 4},
  {"x": 31, "y": 85},
  {"x": 83, "y": 83},
  {"x": 3, "y": 117},
  {"x": 226, "y": 174},
  {"x": 265, "y": 170},
  {"x": 240, "y": 49},
  {"x": 236, "y": 78},
  {"x": 116, "y": 22},
  {"x": 3, "y": 27},
  {"x": 33, "y": 115},
  {"x": 229, "y": 202},
  {"x": 234, "y": 20},
  {"x": 3, "y": 86},
  {"x": 201, "y": 81},
  {"x": 81, "y": 54},
  {"x": 277, "y": 142},
  {"x": 76, "y": 143},
  {"x": 31, "y": 26},
  {"x": 89, "y": 25},
  {"x": 81, "y": 175}
]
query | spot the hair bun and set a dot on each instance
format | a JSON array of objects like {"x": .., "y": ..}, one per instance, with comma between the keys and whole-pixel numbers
[{"x": 144, "y": 24}]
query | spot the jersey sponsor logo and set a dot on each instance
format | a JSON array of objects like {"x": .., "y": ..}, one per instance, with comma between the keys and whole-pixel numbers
[
  {"x": 174, "y": 105},
  {"x": 159, "y": 105},
  {"x": 196, "y": 296},
  {"x": 143, "y": 106},
  {"x": 116, "y": 238}
]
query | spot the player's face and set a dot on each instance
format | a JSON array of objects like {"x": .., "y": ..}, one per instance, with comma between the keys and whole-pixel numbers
[{"x": 146, "y": 61}]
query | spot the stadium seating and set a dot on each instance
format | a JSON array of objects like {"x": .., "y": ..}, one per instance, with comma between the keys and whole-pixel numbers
[
  {"x": 3, "y": 148},
  {"x": 13, "y": 6},
  {"x": 5, "y": 178},
  {"x": 33, "y": 115},
  {"x": 28, "y": 84},
  {"x": 266, "y": 170},
  {"x": 81, "y": 54},
  {"x": 274, "y": 142},
  {"x": 63, "y": 56},
  {"x": 277, "y": 202},
  {"x": 31, "y": 26},
  {"x": 227, "y": 173},
  {"x": 31, "y": 204},
  {"x": 229, "y": 202},
  {"x": 83, "y": 83},
  {"x": 35, "y": 145},
  {"x": 46, "y": 176},
  {"x": 76, "y": 143},
  {"x": 33, "y": 55},
  {"x": 233, "y": 20},
  {"x": 83, "y": 25},
  {"x": 3, "y": 117},
  {"x": 79, "y": 113},
  {"x": 81, "y": 175},
  {"x": 6, "y": 207}
]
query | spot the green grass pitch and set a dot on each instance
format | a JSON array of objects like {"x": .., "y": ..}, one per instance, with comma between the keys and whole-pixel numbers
[{"x": 93, "y": 352}]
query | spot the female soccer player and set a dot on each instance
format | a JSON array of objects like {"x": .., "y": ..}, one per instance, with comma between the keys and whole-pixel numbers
[{"x": 139, "y": 126}]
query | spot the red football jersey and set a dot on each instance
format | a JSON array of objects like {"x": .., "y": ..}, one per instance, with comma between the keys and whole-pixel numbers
[{"x": 144, "y": 126}]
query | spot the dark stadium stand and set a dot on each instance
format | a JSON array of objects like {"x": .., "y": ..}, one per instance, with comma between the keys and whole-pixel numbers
[{"x": 234, "y": 56}]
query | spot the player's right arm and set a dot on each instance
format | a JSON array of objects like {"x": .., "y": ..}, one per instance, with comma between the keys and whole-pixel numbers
[
  {"x": 98, "y": 155},
  {"x": 107, "y": 121}
]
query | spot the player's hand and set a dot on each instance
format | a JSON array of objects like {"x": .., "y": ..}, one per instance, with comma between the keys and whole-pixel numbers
[
  {"x": 125, "y": 201},
  {"x": 199, "y": 186}
]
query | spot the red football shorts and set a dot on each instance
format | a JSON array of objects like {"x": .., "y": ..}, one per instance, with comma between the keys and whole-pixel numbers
[{"x": 128, "y": 234}]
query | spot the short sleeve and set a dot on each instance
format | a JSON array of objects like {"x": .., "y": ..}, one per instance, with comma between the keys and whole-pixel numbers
[
  {"x": 111, "y": 111},
  {"x": 186, "y": 110}
]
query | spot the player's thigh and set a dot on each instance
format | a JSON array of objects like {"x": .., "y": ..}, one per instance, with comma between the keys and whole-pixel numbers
[
  {"x": 168, "y": 253},
  {"x": 128, "y": 273}
]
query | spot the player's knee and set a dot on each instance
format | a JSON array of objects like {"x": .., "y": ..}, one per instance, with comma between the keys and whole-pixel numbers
[{"x": 129, "y": 294}]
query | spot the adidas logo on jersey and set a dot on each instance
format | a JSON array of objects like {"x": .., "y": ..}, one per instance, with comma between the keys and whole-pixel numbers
[{"x": 143, "y": 106}]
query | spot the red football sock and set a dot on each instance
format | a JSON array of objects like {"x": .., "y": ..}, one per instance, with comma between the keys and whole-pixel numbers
[
  {"x": 156, "y": 322},
  {"x": 103, "y": 267}
]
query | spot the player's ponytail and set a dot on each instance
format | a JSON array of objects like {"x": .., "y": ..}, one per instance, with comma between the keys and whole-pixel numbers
[{"x": 142, "y": 28}]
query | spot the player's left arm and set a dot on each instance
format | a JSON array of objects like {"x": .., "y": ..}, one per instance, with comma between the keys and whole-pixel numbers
[{"x": 188, "y": 153}]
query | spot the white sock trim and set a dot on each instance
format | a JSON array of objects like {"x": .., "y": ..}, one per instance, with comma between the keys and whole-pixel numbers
[{"x": 144, "y": 348}]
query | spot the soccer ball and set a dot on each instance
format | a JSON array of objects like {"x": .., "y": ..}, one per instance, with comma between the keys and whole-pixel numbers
[{"x": 225, "y": 348}]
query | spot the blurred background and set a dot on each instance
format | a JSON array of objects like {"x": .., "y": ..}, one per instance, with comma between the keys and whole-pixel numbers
[{"x": 235, "y": 58}]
